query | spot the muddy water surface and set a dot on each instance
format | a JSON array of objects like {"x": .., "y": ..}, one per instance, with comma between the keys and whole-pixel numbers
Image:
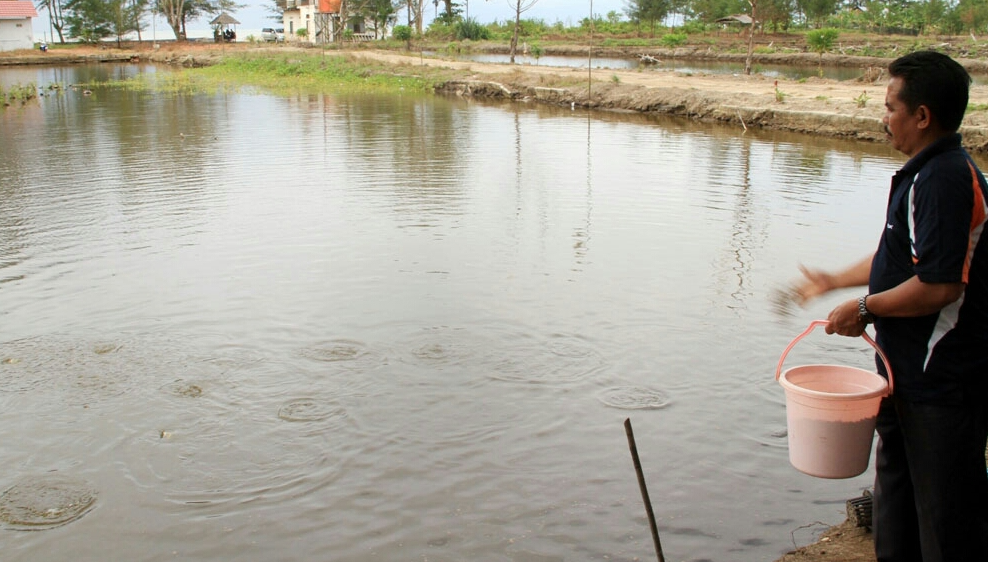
[{"x": 249, "y": 327}]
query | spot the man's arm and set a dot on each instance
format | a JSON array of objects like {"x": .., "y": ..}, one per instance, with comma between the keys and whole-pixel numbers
[
  {"x": 910, "y": 298},
  {"x": 819, "y": 282}
]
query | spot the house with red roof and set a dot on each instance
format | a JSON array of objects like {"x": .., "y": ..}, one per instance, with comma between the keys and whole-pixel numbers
[
  {"x": 318, "y": 21},
  {"x": 16, "y": 31}
]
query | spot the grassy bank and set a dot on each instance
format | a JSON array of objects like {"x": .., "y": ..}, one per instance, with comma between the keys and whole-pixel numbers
[
  {"x": 312, "y": 72},
  {"x": 283, "y": 73}
]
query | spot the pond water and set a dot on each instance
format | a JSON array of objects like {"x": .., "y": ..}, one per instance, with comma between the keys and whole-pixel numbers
[{"x": 239, "y": 326}]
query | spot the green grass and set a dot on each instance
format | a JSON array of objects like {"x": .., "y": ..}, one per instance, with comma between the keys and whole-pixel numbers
[
  {"x": 311, "y": 72},
  {"x": 281, "y": 74}
]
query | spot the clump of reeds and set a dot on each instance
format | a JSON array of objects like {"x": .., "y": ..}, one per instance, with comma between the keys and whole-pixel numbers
[{"x": 18, "y": 92}]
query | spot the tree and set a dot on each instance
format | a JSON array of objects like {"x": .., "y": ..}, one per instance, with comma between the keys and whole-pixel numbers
[
  {"x": 821, "y": 41},
  {"x": 651, "y": 12},
  {"x": 817, "y": 10},
  {"x": 415, "y": 15},
  {"x": 519, "y": 6},
  {"x": 973, "y": 14},
  {"x": 451, "y": 12},
  {"x": 178, "y": 12},
  {"x": 381, "y": 13},
  {"x": 711, "y": 10},
  {"x": 751, "y": 36},
  {"x": 55, "y": 16},
  {"x": 777, "y": 13},
  {"x": 88, "y": 20},
  {"x": 136, "y": 10}
]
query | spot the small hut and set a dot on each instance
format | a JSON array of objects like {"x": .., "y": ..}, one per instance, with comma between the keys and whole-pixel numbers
[{"x": 224, "y": 28}]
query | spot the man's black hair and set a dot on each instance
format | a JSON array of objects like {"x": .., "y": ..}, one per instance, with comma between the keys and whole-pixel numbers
[{"x": 935, "y": 80}]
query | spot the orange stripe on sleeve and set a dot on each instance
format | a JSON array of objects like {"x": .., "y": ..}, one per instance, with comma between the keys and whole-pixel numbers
[{"x": 977, "y": 220}]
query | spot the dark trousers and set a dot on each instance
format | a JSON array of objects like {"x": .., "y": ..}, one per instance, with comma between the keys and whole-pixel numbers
[{"x": 931, "y": 488}]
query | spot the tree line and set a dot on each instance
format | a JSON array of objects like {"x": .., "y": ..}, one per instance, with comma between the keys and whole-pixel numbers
[
  {"x": 949, "y": 17},
  {"x": 95, "y": 20}
]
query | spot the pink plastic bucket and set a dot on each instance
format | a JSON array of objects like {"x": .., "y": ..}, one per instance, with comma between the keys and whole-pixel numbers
[{"x": 831, "y": 412}]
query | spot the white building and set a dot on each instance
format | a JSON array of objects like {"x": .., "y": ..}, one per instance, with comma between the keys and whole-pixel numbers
[
  {"x": 321, "y": 21},
  {"x": 15, "y": 24}
]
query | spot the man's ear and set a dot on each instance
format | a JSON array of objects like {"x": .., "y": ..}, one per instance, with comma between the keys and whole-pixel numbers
[{"x": 924, "y": 117}]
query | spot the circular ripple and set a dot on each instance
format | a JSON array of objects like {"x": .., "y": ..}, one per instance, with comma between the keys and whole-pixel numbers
[
  {"x": 45, "y": 502},
  {"x": 309, "y": 410},
  {"x": 104, "y": 348},
  {"x": 434, "y": 352},
  {"x": 184, "y": 389},
  {"x": 561, "y": 359},
  {"x": 348, "y": 352},
  {"x": 634, "y": 398}
]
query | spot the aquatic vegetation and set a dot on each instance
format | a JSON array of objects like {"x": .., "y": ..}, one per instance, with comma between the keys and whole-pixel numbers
[
  {"x": 18, "y": 92},
  {"x": 160, "y": 82}
]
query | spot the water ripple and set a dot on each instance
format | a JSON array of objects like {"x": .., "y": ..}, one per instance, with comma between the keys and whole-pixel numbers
[
  {"x": 43, "y": 502},
  {"x": 634, "y": 398}
]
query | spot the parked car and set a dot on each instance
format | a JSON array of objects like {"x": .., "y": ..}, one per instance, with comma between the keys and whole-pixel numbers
[{"x": 273, "y": 35}]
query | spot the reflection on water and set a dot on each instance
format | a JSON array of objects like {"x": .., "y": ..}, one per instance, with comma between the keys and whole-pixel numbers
[{"x": 408, "y": 327}]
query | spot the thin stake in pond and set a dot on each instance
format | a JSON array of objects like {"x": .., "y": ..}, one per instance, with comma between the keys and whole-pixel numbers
[{"x": 641, "y": 484}]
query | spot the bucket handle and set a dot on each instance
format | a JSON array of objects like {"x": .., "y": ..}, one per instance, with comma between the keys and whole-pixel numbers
[{"x": 814, "y": 324}]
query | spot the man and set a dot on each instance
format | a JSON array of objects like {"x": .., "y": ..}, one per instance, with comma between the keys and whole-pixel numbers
[{"x": 928, "y": 298}]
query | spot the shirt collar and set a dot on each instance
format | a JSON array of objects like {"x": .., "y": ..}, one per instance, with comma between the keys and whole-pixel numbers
[{"x": 939, "y": 146}]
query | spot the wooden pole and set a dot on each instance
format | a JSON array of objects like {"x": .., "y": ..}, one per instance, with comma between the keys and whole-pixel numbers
[
  {"x": 641, "y": 484},
  {"x": 590, "y": 59}
]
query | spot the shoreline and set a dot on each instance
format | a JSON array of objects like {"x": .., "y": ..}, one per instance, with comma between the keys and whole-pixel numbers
[{"x": 818, "y": 106}]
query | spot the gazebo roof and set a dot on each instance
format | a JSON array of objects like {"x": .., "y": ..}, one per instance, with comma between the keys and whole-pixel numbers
[{"x": 224, "y": 19}]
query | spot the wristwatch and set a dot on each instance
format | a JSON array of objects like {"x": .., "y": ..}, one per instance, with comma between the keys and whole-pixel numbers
[{"x": 863, "y": 313}]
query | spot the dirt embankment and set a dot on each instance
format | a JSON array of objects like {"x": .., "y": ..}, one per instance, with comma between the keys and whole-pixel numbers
[{"x": 852, "y": 109}]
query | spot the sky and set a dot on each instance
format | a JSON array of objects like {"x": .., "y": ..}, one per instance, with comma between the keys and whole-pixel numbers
[{"x": 255, "y": 15}]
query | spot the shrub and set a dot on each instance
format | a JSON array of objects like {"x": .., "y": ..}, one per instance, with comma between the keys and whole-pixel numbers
[
  {"x": 440, "y": 31},
  {"x": 821, "y": 40},
  {"x": 536, "y": 51},
  {"x": 402, "y": 33},
  {"x": 674, "y": 39},
  {"x": 471, "y": 29}
]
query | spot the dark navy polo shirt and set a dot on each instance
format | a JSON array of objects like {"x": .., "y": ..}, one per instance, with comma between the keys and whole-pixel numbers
[{"x": 935, "y": 219}]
